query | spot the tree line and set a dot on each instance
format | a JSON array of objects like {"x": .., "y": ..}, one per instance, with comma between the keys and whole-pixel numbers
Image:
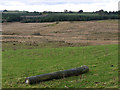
[{"x": 48, "y": 16}]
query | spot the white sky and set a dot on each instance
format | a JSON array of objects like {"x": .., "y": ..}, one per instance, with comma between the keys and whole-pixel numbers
[{"x": 59, "y": 5}]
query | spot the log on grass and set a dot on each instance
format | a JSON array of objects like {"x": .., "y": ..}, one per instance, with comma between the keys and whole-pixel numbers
[{"x": 57, "y": 75}]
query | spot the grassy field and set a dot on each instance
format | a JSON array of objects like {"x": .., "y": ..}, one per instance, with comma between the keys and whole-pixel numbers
[
  {"x": 101, "y": 60},
  {"x": 80, "y": 33},
  {"x": 30, "y": 49}
]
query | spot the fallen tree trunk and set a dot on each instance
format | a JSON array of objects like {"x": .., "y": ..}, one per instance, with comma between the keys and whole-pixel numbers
[{"x": 57, "y": 75}]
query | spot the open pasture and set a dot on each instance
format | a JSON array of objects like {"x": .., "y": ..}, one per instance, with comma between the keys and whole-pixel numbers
[
  {"x": 81, "y": 33},
  {"x": 30, "y": 49}
]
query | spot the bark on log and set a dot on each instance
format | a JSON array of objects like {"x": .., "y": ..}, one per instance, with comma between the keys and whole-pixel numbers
[{"x": 57, "y": 75}]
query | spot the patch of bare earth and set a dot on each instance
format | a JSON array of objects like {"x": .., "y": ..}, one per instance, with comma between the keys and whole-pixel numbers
[{"x": 78, "y": 33}]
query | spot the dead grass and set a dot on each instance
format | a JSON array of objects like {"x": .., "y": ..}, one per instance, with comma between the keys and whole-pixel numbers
[{"x": 77, "y": 33}]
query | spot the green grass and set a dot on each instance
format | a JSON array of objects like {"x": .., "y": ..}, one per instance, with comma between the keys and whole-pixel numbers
[{"x": 21, "y": 63}]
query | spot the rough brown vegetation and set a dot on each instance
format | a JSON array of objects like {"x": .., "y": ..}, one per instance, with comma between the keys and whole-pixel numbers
[{"x": 78, "y": 33}]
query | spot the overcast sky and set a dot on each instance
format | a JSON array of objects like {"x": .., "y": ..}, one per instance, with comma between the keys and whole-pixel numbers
[{"x": 59, "y": 5}]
